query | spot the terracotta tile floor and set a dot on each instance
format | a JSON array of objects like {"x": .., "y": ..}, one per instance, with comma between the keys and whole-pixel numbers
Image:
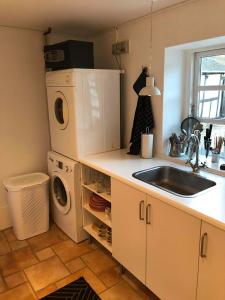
[{"x": 38, "y": 266}]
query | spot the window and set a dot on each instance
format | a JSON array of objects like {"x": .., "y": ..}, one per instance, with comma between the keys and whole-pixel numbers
[
  {"x": 209, "y": 86},
  {"x": 209, "y": 94}
]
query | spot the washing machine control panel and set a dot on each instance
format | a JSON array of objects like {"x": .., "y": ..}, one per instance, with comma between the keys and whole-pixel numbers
[
  {"x": 67, "y": 169},
  {"x": 59, "y": 164}
]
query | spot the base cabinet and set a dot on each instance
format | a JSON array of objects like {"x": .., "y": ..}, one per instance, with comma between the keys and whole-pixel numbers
[
  {"x": 211, "y": 281},
  {"x": 156, "y": 242},
  {"x": 172, "y": 252},
  {"x": 129, "y": 228},
  {"x": 177, "y": 256}
]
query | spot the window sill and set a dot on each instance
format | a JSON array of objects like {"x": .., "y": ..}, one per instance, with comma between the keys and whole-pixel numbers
[{"x": 213, "y": 168}]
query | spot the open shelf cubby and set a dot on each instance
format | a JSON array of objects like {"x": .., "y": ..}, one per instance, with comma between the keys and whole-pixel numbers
[
  {"x": 90, "y": 224},
  {"x": 92, "y": 219}
]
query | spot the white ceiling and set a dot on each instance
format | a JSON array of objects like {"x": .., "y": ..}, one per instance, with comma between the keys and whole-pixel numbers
[{"x": 79, "y": 17}]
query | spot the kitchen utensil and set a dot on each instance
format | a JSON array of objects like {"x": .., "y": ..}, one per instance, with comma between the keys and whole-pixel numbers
[
  {"x": 177, "y": 150},
  {"x": 100, "y": 183},
  {"x": 107, "y": 185},
  {"x": 207, "y": 144},
  {"x": 207, "y": 140},
  {"x": 108, "y": 212},
  {"x": 215, "y": 157},
  {"x": 184, "y": 131},
  {"x": 198, "y": 127},
  {"x": 87, "y": 176},
  {"x": 97, "y": 203},
  {"x": 178, "y": 144},
  {"x": 93, "y": 176},
  {"x": 109, "y": 235},
  {"x": 210, "y": 130},
  {"x": 218, "y": 144},
  {"x": 190, "y": 124}
]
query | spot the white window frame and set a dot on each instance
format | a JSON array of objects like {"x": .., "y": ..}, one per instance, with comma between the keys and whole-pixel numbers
[{"x": 197, "y": 87}]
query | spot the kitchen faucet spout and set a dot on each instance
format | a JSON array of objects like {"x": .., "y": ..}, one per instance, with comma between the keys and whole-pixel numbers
[{"x": 194, "y": 142}]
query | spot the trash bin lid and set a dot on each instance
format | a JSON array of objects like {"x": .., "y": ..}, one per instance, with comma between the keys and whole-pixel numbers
[{"x": 24, "y": 181}]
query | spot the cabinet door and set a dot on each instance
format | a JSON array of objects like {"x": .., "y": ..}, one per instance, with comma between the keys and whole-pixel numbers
[
  {"x": 172, "y": 252},
  {"x": 211, "y": 282},
  {"x": 129, "y": 228}
]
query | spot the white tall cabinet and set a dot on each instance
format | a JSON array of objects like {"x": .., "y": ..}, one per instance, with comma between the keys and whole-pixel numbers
[
  {"x": 158, "y": 243},
  {"x": 211, "y": 282}
]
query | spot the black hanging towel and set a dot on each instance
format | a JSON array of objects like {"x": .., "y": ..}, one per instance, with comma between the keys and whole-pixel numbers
[{"x": 143, "y": 115}]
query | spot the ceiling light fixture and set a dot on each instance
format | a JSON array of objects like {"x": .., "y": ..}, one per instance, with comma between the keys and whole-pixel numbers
[{"x": 150, "y": 89}]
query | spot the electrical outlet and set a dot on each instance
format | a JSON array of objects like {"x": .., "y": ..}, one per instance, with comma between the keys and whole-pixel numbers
[{"x": 120, "y": 48}]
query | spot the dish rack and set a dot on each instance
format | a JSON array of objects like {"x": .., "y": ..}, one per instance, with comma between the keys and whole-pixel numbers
[{"x": 96, "y": 204}]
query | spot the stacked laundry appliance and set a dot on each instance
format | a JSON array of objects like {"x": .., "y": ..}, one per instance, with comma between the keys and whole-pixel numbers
[{"x": 84, "y": 117}]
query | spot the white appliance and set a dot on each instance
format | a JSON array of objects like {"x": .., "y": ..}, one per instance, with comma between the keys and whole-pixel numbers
[
  {"x": 84, "y": 111},
  {"x": 65, "y": 176}
]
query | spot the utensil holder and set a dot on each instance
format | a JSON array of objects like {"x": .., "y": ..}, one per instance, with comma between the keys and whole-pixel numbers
[
  {"x": 177, "y": 149},
  {"x": 215, "y": 157}
]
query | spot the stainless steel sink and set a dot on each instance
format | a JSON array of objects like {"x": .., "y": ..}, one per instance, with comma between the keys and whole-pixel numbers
[{"x": 176, "y": 181}]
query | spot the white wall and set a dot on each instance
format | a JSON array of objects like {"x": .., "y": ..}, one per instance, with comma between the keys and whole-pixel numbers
[
  {"x": 24, "y": 131},
  {"x": 173, "y": 97},
  {"x": 193, "y": 21},
  {"x": 24, "y": 128}
]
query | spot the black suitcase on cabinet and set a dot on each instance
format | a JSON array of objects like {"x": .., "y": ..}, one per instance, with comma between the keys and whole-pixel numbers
[{"x": 69, "y": 54}]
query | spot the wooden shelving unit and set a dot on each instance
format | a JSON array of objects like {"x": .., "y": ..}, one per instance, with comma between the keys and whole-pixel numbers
[
  {"x": 90, "y": 216},
  {"x": 99, "y": 215},
  {"x": 92, "y": 188},
  {"x": 94, "y": 234}
]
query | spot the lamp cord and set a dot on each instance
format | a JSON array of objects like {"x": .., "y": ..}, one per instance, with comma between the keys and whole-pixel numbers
[
  {"x": 116, "y": 32},
  {"x": 151, "y": 31},
  {"x": 118, "y": 61}
]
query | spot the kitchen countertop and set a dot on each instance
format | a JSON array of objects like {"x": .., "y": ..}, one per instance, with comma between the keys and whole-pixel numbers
[{"x": 208, "y": 206}]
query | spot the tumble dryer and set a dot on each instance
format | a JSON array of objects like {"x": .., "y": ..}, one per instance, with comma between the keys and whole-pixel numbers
[
  {"x": 84, "y": 111},
  {"x": 65, "y": 188}
]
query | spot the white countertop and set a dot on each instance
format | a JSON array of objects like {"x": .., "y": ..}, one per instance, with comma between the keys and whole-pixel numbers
[{"x": 209, "y": 206}]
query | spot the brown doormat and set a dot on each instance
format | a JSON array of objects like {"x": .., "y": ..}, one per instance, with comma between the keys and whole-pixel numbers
[{"x": 77, "y": 290}]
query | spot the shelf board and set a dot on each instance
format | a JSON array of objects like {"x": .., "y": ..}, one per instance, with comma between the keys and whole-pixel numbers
[
  {"x": 92, "y": 188},
  {"x": 94, "y": 234},
  {"x": 98, "y": 214}
]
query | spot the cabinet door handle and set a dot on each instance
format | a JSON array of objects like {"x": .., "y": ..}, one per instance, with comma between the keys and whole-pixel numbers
[
  {"x": 204, "y": 242},
  {"x": 148, "y": 214},
  {"x": 141, "y": 205}
]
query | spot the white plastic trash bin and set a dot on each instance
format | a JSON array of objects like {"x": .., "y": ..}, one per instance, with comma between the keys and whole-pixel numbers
[{"x": 28, "y": 199}]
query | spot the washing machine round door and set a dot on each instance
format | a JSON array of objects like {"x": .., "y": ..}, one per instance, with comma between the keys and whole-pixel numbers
[
  {"x": 61, "y": 110},
  {"x": 60, "y": 193}
]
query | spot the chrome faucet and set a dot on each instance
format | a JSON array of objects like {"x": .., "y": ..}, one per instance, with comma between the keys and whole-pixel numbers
[{"x": 195, "y": 139}]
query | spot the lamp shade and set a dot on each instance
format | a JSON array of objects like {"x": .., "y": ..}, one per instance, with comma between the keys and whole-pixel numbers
[{"x": 150, "y": 89}]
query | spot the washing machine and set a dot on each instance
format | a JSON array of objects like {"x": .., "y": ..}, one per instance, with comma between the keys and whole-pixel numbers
[
  {"x": 66, "y": 207},
  {"x": 84, "y": 111}
]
